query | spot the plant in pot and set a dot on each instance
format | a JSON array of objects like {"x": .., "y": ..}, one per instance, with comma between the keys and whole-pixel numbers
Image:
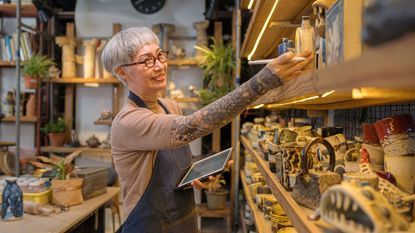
[
  {"x": 217, "y": 63},
  {"x": 36, "y": 68},
  {"x": 56, "y": 132},
  {"x": 216, "y": 194}
]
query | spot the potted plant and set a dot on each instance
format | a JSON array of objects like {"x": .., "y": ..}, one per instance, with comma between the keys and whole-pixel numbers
[
  {"x": 216, "y": 194},
  {"x": 56, "y": 132},
  {"x": 217, "y": 63},
  {"x": 35, "y": 68},
  {"x": 65, "y": 190}
]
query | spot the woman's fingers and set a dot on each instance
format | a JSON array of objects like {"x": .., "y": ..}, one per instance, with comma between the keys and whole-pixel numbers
[
  {"x": 198, "y": 184},
  {"x": 297, "y": 67}
]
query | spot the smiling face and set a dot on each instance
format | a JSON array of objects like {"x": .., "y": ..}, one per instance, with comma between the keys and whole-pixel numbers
[{"x": 145, "y": 81}]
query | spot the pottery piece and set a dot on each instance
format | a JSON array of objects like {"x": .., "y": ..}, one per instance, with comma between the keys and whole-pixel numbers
[
  {"x": 201, "y": 35},
  {"x": 320, "y": 8},
  {"x": 93, "y": 141},
  {"x": 403, "y": 168},
  {"x": 304, "y": 39},
  {"x": 31, "y": 106},
  {"x": 369, "y": 134},
  {"x": 350, "y": 161},
  {"x": 68, "y": 44},
  {"x": 376, "y": 154},
  {"x": 12, "y": 201},
  {"x": 310, "y": 185},
  {"x": 89, "y": 57},
  {"x": 286, "y": 136},
  {"x": 362, "y": 178},
  {"x": 360, "y": 209},
  {"x": 163, "y": 31},
  {"x": 397, "y": 134}
]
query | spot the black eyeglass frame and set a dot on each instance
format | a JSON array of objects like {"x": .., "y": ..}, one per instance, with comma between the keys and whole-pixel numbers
[{"x": 145, "y": 61}]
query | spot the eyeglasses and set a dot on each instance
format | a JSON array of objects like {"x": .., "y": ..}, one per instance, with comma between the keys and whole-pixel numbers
[{"x": 150, "y": 61}]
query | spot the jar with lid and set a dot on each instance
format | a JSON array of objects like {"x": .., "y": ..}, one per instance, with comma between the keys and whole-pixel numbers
[{"x": 12, "y": 201}]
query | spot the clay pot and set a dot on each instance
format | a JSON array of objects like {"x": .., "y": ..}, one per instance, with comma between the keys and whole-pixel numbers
[
  {"x": 30, "y": 82},
  {"x": 93, "y": 141},
  {"x": 216, "y": 200},
  {"x": 56, "y": 139}
]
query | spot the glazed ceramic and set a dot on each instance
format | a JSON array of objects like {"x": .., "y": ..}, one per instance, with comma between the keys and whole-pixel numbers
[
  {"x": 403, "y": 168},
  {"x": 375, "y": 154},
  {"x": 369, "y": 134},
  {"x": 351, "y": 164},
  {"x": 12, "y": 201},
  {"x": 362, "y": 178}
]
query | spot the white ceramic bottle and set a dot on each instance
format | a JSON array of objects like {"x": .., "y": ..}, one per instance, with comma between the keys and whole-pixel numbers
[{"x": 305, "y": 39}]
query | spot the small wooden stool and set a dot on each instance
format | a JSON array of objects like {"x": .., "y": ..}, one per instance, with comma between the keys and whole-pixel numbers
[{"x": 204, "y": 212}]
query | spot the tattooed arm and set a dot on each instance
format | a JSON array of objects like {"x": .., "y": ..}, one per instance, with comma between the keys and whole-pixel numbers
[{"x": 222, "y": 111}]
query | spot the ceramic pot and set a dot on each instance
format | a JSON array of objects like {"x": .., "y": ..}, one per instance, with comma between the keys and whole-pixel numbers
[
  {"x": 30, "y": 82},
  {"x": 350, "y": 164},
  {"x": 402, "y": 168},
  {"x": 369, "y": 134},
  {"x": 376, "y": 154},
  {"x": 12, "y": 201},
  {"x": 216, "y": 200},
  {"x": 362, "y": 178},
  {"x": 305, "y": 38},
  {"x": 56, "y": 139}
]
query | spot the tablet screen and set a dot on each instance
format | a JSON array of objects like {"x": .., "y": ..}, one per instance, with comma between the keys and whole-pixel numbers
[{"x": 207, "y": 166}]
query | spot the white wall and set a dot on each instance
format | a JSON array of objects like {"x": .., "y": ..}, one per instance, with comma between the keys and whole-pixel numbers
[{"x": 94, "y": 18}]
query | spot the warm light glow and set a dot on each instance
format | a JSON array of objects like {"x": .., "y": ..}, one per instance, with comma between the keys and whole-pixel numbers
[
  {"x": 263, "y": 30},
  {"x": 327, "y": 93},
  {"x": 91, "y": 84},
  {"x": 251, "y": 2},
  {"x": 357, "y": 94},
  {"x": 258, "y": 106},
  {"x": 293, "y": 102}
]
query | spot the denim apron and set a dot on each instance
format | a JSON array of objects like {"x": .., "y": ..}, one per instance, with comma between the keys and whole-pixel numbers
[{"x": 162, "y": 208}]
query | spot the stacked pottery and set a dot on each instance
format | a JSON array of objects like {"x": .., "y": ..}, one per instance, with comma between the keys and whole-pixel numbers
[{"x": 397, "y": 136}]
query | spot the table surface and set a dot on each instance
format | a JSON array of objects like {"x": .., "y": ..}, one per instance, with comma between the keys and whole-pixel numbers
[{"x": 58, "y": 222}]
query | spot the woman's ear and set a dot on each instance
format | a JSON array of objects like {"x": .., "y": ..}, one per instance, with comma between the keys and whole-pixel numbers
[{"x": 122, "y": 73}]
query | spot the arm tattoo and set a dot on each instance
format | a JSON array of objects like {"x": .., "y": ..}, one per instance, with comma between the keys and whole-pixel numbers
[{"x": 187, "y": 128}]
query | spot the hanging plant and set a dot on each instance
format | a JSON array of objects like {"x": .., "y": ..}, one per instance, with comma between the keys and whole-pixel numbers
[{"x": 217, "y": 63}]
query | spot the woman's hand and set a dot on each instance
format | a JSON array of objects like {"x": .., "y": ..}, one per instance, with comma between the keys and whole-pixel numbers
[
  {"x": 204, "y": 185},
  {"x": 286, "y": 69}
]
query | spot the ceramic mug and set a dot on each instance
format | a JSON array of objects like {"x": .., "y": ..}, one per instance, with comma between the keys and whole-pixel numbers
[
  {"x": 350, "y": 164},
  {"x": 369, "y": 134},
  {"x": 403, "y": 168},
  {"x": 362, "y": 178},
  {"x": 339, "y": 144},
  {"x": 375, "y": 153},
  {"x": 304, "y": 131},
  {"x": 286, "y": 136}
]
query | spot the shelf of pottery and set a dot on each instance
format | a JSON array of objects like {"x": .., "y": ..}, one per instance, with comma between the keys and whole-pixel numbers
[
  {"x": 352, "y": 68},
  {"x": 325, "y": 183}
]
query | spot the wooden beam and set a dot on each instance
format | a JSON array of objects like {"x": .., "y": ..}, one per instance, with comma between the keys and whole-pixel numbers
[{"x": 69, "y": 109}]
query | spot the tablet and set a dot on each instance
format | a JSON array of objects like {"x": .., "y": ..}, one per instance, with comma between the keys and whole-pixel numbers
[{"x": 206, "y": 167}]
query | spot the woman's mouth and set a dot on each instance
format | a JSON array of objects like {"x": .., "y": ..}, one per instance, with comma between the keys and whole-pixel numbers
[{"x": 161, "y": 77}]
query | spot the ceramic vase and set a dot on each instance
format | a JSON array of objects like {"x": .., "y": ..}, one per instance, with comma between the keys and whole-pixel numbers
[
  {"x": 12, "y": 201},
  {"x": 31, "y": 106},
  {"x": 402, "y": 167},
  {"x": 305, "y": 39}
]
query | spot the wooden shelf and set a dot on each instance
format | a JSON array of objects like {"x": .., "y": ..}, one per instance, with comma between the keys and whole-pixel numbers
[
  {"x": 382, "y": 75},
  {"x": 24, "y": 119},
  {"x": 85, "y": 150},
  {"x": 7, "y": 64},
  {"x": 103, "y": 122},
  {"x": 183, "y": 62},
  {"x": 9, "y": 10},
  {"x": 262, "y": 225},
  {"x": 285, "y": 11},
  {"x": 297, "y": 214},
  {"x": 83, "y": 81}
]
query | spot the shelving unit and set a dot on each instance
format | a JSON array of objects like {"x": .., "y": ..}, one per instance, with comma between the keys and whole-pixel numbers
[
  {"x": 296, "y": 213},
  {"x": 382, "y": 75},
  {"x": 85, "y": 150},
  {"x": 7, "y": 64},
  {"x": 183, "y": 62},
  {"x": 103, "y": 122},
  {"x": 262, "y": 225}
]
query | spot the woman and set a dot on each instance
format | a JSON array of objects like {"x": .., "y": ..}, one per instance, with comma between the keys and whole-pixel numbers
[{"x": 150, "y": 138}]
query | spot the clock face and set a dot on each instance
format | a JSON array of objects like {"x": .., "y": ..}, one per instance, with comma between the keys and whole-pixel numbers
[{"x": 148, "y": 6}]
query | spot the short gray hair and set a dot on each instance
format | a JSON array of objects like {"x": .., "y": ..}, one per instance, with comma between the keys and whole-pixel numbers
[{"x": 123, "y": 47}]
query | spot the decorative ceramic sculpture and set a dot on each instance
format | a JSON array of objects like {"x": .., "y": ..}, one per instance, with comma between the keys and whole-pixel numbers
[
  {"x": 68, "y": 44},
  {"x": 163, "y": 30},
  {"x": 310, "y": 185},
  {"x": 201, "y": 35},
  {"x": 179, "y": 53},
  {"x": 93, "y": 141},
  {"x": 356, "y": 209},
  {"x": 89, "y": 57},
  {"x": 31, "y": 106},
  {"x": 99, "y": 69}
]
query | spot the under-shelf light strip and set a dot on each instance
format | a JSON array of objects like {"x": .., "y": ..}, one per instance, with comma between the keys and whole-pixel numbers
[
  {"x": 263, "y": 30},
  {"x": 295, "y": 101},
  {"x": 251, "y": 2}
]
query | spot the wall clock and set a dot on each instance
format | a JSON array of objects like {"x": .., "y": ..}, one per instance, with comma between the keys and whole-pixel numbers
[{"x": 148, "y": 6}]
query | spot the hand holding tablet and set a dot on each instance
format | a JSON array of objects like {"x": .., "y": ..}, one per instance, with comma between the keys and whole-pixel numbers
[{"x": 206, "y": 167}]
